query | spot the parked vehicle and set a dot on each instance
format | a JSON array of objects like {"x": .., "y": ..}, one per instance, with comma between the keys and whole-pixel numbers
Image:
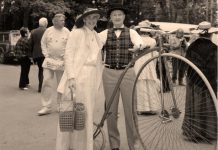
[
  {"x": 171, "y": 28},
  {"x": 8, "y": 41}
]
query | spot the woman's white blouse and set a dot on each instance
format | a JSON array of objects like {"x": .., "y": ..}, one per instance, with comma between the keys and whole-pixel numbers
[{"x": 93, "y": 47}]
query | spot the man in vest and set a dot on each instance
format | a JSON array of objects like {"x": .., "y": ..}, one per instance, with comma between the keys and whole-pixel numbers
[{"x": 118, "y": 41}]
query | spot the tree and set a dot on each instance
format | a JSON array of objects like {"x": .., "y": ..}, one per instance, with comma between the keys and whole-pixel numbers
[
  {"x": 183, "y": 11},
  {"x": 18, "y": 13},
  {"x": 161, "y": 10},
  {"x": 41, "y": 8},
  {"x": 27, "y": 12}
]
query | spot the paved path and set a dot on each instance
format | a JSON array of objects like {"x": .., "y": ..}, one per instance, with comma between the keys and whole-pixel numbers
[{"x": 20, "y": 127}]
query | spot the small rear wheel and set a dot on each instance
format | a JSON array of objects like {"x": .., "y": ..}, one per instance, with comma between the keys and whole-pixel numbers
[{"x": 99, "y": 138}]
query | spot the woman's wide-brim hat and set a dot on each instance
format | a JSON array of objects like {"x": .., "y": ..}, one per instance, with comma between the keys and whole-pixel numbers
[
  {"x": 79, "y": 20},
  {"x": 147, "y": 26},
  {"x": 204, "y": 27},
  {"x": 143, "y": 24},
  {"x": 116, "y": 7}
]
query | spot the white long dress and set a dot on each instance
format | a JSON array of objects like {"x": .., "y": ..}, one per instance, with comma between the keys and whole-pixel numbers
[
  {"x": 148, "y": 98},
  {"x": 86, "y": 90}
]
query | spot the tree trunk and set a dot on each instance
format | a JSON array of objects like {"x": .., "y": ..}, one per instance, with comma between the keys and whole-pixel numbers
[
  {"x": 26, "y": 11},
  {"x": 187, "y": 11},
  {"x": 170, "y": 10},
  {"x": 207, "y": 7},
  {"x": 211, "y": 11},
  {"x": 26, "y": 17}
]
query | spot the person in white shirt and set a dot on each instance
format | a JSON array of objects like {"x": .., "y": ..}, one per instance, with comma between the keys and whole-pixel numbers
[
  {"x": 82, "y": 75},
  {"x": 118, "y": 41},
  {"x": 53, "y": 45}
]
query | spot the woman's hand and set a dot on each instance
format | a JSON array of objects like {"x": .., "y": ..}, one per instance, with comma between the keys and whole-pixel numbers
[{"x": 72, "y": 84}]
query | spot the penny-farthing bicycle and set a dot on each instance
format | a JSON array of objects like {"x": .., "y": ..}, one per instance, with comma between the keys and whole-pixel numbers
[{"x": 178, "y": 124}]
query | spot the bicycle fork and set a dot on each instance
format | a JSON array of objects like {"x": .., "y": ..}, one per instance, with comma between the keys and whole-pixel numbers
[{"x": 165, "y": 116}]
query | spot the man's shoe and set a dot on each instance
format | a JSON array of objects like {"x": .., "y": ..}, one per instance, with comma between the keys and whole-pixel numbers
[
  {"x": 139, "y": 112},
  {"x": 44, "y": 111},
  {"x": 39, "y": 90},
  {"x": 152, "y": 112},
  {"x": 115, "y": 149},
  {"x": 146, "y": 113}
]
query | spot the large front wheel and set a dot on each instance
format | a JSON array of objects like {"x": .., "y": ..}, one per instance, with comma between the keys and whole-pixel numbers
[{"x": 174, "y": 112}]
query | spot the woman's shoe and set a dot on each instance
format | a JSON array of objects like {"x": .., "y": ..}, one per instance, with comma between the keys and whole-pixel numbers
[{"x": 24, "y": 88}]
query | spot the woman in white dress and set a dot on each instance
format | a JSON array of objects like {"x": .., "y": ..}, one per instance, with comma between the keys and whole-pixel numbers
[
  {"x": 148, "y": 100},
  {"x": 83, "y": 70}
]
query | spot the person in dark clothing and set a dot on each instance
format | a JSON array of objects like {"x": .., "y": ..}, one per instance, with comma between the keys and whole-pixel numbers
[
  {"x": 200, "y": 121},
  {"x": 22, "y": 52},
  {"x": 178, "y": 45},
  {"x": 36, "y": 50}
]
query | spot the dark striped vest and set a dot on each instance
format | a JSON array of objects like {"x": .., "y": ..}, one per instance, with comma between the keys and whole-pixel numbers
[{"x": 117, "y": 53}]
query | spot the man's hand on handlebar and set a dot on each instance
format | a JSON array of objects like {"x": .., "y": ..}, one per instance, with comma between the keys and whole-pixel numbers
[{"x": 137, "y": 48}]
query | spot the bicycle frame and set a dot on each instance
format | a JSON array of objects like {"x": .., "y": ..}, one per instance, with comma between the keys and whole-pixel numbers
[
  {"x": 164, "y": 113},
  {"x": 106, "y": 113}
]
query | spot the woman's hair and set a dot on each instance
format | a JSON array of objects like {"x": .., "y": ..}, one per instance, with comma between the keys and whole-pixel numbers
[
  {"x": 57, "y": 16},
  {"x": 23, "y": 31},
  {"x": 205, "y": 33},
  {"x": 204, "y": 26}
]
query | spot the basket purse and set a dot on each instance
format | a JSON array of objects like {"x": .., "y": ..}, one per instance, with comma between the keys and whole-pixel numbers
[{"x": 72, "y": 115}]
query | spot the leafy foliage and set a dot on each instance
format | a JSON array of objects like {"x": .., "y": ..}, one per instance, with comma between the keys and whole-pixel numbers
[
  {"x": 47, "y": 9},
  {"x": 17, "y": 13}
]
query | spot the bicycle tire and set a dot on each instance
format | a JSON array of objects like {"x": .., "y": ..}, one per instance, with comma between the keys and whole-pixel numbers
[{"x": 168, "y": 133}]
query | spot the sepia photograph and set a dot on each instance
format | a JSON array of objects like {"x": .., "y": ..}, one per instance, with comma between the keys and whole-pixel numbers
[{"x": 108, "y": 74}]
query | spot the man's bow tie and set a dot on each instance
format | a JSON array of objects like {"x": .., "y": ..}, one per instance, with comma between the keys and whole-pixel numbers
[{"x": 115, "y": 29}]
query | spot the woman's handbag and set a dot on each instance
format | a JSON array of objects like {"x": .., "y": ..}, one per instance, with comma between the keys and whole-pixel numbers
[
  {"x": 79, "y": 116},
  {"x": 72, "y": 115}
]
